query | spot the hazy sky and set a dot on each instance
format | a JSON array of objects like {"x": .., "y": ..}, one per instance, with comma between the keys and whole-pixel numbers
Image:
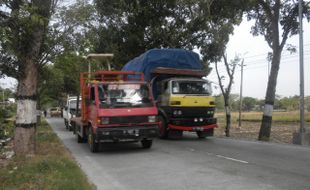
[{"x": 255, "y": 75}]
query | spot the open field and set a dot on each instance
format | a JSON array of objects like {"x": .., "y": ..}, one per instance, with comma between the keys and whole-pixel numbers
[
  {"x": 283, "y": 126},
  {"x": 51, "y": 168}
]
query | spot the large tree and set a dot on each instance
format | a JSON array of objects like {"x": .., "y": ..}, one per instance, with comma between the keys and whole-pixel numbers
[
  {"x": 129, "y": 28},
  {"x": 24, "y": 25},
  {"x": 276, "y": 20}
]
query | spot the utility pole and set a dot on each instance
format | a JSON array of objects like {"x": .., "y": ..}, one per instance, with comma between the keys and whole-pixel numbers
[
  {"x": 268, "y": 70},
  {"x": 301, "y": 71},
  {"x": 240, "y": 101}
]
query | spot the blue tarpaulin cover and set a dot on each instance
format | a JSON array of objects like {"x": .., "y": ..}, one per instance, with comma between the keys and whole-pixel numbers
[{"x": 168, "y": 58}]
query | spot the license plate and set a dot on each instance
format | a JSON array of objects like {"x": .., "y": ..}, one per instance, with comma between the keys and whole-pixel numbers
[
  {"x": 133, "y": 131},
  {"x": 198, "y": 128}
]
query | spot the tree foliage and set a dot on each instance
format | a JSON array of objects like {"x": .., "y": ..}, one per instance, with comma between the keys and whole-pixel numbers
[
  {"x": 129, "y": 28},
  {"x": 71, "y": 36},
  {"x": 20, "y": 21},
  {"x": 248, "y": 103},
  {"x": 75, "y": 28}
]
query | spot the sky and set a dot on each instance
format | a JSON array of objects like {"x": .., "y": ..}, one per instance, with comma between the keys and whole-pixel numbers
[{"x": 254, "y": 50}]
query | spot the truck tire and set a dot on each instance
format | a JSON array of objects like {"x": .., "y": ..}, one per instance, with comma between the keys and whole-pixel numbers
[
  {"x": 70, "y": 127},
  {"x": 163, "y": 133},
  {"x": 79, "y": 139},
  {"x": 204, "y": 134},
  {"x": 66, "y": 123},
  {"x": 93, "y": 146},
  {"x": 175, "y": 134},
  {"x": 74, "y": 128},
  {"x": 147, "y": 143}
]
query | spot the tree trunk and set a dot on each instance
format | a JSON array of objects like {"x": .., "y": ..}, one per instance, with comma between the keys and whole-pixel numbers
[
  {"x": 228, "y": 121},
  {"x": 228, "y": 116},
  {"x": 25, "y": 125},
  {"x": 265, "y": 130}
]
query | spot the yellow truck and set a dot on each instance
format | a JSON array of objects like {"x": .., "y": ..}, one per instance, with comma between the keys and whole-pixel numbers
[{"x": 184, "y": 99}]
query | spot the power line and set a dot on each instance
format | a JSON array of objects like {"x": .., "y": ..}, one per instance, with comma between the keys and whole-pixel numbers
[{"x": 283, "y": 60}]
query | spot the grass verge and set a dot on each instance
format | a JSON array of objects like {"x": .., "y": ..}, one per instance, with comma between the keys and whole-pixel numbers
[
  {"x": 284, "y": 124},
  {"x": 51, "y": 168}
]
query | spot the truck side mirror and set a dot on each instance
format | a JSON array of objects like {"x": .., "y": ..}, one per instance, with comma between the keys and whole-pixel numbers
[{"x": 66, "y": 108}]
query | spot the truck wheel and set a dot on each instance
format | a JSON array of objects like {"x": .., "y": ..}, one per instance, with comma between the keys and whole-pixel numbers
[
  {"x": 73, "y": 128},
  {"x": 93, "y": 146},
  {"x": 66, "y": 123},
  {"x": 70, "y": 127},
  {"x": 202, "y": 134},
  {"x": 163, "y": 133},
  {"x": 146, "y": 143},
  {"x": 175, "y": 134},
  {"x": 79, "y": 139}
]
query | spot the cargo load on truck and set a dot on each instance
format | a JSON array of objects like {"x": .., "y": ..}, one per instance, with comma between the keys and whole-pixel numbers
[{"x": 183, "y": 98}]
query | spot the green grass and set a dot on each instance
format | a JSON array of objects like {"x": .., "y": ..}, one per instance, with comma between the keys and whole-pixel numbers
[
  {"x": 284, "y": 124},
  {"x": 51, "y": 168}
]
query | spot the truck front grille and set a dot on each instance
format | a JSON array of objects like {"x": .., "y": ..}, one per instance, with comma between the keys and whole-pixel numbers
[{"x": 191, "y": 122}]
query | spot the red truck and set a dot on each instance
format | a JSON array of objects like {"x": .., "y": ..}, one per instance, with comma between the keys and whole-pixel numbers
[{"x": 116, "y": 106}]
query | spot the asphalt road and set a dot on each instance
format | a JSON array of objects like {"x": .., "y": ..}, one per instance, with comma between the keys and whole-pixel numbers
[{"x": 191, "y": 164}]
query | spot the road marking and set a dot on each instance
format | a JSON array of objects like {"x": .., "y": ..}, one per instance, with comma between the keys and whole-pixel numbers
[{"x": 233, "y": 159}]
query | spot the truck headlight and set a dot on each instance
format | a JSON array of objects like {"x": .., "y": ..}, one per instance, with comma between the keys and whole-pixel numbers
[
  {"x": 105, "y": 120},
  {"x": 152, "y": 118},
  {"x": 177, "y": 112}
]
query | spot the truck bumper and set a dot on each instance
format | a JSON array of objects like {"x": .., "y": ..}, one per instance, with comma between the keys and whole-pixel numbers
[
  {"x": 192, "y": 128},
  {"x": 126, "y": 134}
]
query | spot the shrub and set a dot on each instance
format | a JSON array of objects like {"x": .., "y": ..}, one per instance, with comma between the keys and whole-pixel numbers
[{"x": 6, "y": 122}]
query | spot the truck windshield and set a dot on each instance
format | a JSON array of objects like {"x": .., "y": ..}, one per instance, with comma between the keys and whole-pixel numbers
[
  {"x": 191, "y": 87},
  {"x": 124, "y": 95}
]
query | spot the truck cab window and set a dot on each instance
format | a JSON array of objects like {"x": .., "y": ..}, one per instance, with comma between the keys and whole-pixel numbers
[
  {"x": 102, "y": 95},
  {"x": 176, "y": 87}
]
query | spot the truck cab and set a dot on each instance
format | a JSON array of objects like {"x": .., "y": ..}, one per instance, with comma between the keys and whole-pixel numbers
[
  {"x": 116, "y": 108},
  {"x": 186, "y": 104}
]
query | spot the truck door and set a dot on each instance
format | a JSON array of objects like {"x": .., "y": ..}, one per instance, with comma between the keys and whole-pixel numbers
[{"x": 91, "y": 108}]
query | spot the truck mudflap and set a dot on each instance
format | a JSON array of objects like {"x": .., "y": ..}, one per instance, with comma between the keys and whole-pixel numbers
[
  {"x": 192, "y": 128},
  {"x": 123, "y": 134}
]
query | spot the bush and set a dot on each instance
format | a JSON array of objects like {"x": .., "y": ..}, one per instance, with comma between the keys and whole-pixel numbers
[
  {"x": 4, "y": 114},
  {"x": 6, "y": 122}
]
